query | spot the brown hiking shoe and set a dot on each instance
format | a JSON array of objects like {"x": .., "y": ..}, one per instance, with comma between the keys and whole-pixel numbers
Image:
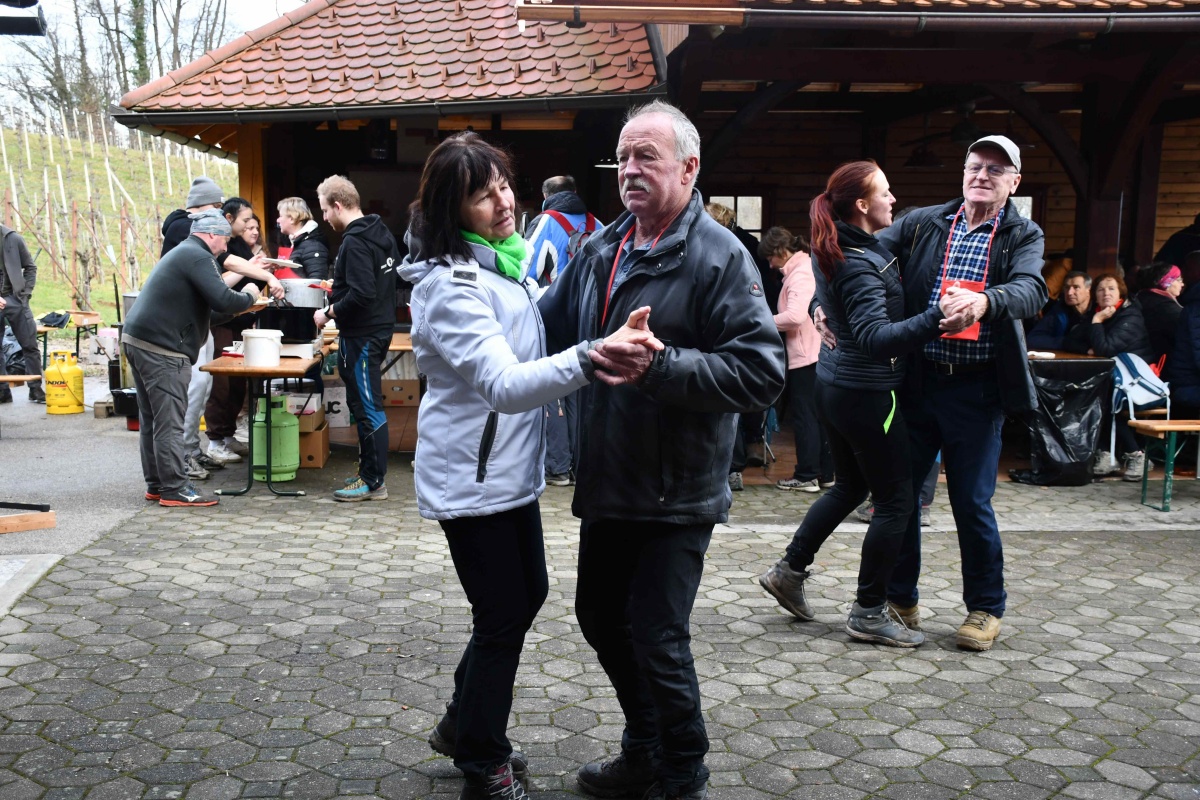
[
  {"x": 787, "y": 586},
  {"x": 979, "y": 631},
  {"x": 909, "y": 615}
]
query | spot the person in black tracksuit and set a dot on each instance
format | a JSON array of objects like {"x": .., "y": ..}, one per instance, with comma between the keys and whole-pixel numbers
[
  {"x": 858, "y": 287},
  {"x": 364, "y": 304}
]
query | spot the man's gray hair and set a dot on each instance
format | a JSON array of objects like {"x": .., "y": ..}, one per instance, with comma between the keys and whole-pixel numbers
[
  {"x": 1087, "y": 279},
  {"x": 687, "y": 138}
]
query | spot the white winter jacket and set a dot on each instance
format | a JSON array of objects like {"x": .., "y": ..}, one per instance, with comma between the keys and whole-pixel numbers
[{"x": 480, "y": 343}]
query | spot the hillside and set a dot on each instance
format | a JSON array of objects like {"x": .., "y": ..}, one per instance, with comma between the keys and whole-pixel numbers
[{"x": 77, "y": 241}]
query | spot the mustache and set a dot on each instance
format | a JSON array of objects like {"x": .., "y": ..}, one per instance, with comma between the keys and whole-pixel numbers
[{"x": 634, "y": 183}]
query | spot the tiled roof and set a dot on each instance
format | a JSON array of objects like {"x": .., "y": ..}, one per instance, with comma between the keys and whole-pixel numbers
[{"x": 336, "y": 53}]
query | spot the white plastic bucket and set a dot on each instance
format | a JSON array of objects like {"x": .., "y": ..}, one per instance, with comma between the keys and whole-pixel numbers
[
  {"x": 261, "y": 347},
  {"x": 107, "y": 340}
]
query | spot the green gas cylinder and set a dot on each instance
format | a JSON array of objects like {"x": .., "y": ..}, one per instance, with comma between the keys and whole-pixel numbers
[{"x": 285, "y": 441}]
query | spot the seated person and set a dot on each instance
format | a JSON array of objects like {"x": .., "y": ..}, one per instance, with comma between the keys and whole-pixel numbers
[
  {"x": 1068, "y": 311},
  {"x": 1115, "y": 326},
  {"x": 1162, "y": 284}
]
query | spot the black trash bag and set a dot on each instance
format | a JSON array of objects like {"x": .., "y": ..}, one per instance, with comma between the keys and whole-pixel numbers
[
  {"x": 10, "y": 351},
  {"x": 1064, "y": 430}
]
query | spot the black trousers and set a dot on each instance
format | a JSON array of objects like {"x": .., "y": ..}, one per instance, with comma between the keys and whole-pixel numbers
[
  {"x": 501, "y": 562},
  {"x": 814, "y": 460},
  {"x": 869, "y": 441},
  {"x": 637, "y": 585}
]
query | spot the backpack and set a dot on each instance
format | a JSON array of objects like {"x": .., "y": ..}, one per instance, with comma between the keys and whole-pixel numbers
[
  {"x": 576, "y": 237},
  {"x": 1136, "y": 386}
]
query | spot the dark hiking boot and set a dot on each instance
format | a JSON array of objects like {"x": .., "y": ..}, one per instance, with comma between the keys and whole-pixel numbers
[
  {"x": 499, "y": 783},
  {"x": 880, "y": 625},
  {"x": 37, "y": 394},
  {"x": 442, "y": 741},
  {"x": 656, "y": 792},
  {"x": 626, "y": 775},
  {"x": 787, "y": 586}
]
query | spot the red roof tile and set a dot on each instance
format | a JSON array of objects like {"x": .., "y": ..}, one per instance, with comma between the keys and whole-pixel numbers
[{"x": 384, "y": 52}]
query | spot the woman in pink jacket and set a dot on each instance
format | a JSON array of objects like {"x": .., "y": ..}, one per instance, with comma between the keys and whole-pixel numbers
[{"x": 814, "y": 465}]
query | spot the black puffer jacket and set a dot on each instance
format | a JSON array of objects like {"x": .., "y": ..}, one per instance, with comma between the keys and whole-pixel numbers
[
  {"x": 1016, "y": 290},
  {"x": 1160, "y": 312},
  {"x": 864, "y": 308},
  {"x": 1123, "y": 332},
  {"x": 175, "y": 229},
  {"x": 661, "y": 450},
  {"x": 310, "y": 249}
]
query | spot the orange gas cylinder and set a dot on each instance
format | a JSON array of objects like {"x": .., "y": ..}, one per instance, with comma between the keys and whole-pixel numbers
[{"x": 64, "y": 384}]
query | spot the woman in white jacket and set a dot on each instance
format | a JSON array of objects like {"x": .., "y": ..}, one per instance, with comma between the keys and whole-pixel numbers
[{"x": 480, "y": 343}]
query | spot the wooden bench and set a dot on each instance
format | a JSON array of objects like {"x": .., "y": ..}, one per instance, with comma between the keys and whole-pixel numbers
[{"x": 1166, "y": 432}]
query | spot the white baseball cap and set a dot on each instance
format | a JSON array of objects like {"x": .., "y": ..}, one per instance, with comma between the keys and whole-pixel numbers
[{"x": 1003, "y": 143}]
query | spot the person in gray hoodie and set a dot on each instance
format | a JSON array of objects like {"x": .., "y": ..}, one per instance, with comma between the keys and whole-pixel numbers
[{"x": 480, "y": 342}]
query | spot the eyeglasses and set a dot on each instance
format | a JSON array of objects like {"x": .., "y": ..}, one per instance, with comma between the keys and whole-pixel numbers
[{"x": 994, "y": 170}]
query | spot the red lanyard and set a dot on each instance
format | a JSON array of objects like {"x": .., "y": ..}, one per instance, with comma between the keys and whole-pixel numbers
[
  {"x": 987, "y": 259},
  {"x": 612, "y": 276}
]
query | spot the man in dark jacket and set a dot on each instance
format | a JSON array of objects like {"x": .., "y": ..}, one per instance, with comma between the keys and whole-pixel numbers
[
  {"x": 1072, "y": 308},
  {"x": 652, "y": 462},
  {"x": 162, "y": 337},
  {"x": 18, "y": 275},
  {"x": 364, "y": 307},
  {"x": 204, "y": 193},
  {"x": 987, "y": 259},
  {"x": 1180, "y": 244}
]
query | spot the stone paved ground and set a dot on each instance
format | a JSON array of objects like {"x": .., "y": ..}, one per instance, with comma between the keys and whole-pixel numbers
[{"x": 299, "y": 648}]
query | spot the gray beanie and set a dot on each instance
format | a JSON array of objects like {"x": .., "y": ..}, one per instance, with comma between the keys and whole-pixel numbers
[
  {"x": 210, "y": 220},
  {"x": 204, "y": 192}
]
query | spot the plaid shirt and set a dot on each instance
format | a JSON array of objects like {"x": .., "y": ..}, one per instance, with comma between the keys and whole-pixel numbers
[{"x": 968, "y": 260}]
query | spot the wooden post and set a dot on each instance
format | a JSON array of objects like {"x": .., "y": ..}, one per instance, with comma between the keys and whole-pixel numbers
[
  {"x": 62, "y": 192},
  {"x": 66, "y": 135},
  {"x": 112, "y": 195},
  {"x": 167, "y": 164},
  {"x": 84, "y": 278},
  {"x": 153, "y": 187},
  {"x": 12, "y": 181},
  {"x": 91, "y": 135},
  {"x": 4, "y": 149},
  {"x": 28, "y": 158},
  {"x": 123, "y": 223},
  {"x": 49, "y": 137}
]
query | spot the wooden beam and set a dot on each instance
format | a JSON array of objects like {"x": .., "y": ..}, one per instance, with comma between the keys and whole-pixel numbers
[
  {"x": 763, "y": 101},
  {"x": 252, "y": 179},
  {"x": 32, "y": 521},
  {"x": 1145, "y": 195},
  {"x": 1050, "y": 129}
]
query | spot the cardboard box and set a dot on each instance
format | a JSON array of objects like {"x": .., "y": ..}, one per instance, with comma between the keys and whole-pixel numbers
[
  {"x": 102, "y": 409},
  {"x": 314, "y": 448},
  {"x": 302, "y": 402},
  {"x": 337, "y": 411},
  {"x": 310, "y": 422},
  {"x": 401, "y": 393},
  {"x": 402, "y": 429}
]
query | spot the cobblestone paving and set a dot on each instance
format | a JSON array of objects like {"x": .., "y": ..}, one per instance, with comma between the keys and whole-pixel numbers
[{"x": 299, "y": 648}]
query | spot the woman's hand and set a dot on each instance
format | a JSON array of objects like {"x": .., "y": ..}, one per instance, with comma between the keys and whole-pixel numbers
[
  {"x": 1104, "y": 314},
  {"x": 636, "y": 330}
]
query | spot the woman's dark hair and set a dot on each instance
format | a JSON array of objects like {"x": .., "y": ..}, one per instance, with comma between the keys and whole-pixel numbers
[
  {"x": 1122, "y": 289},
  {"x": 777, "y": 241},
  {"x": 1149, "y": 276},
  {"x": 233, "y": 206},
  {"x": 455, "y": 170},
  {"x": 847, "y": 184}
]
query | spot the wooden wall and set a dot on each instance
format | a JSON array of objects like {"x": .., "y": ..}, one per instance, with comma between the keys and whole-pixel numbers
[
  {"x": 1179, "y": 180},
  {"x": 788, "y": 157}
]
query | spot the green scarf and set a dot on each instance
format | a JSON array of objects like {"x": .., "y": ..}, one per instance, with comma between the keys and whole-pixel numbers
[{"x": 510, "y": 253}]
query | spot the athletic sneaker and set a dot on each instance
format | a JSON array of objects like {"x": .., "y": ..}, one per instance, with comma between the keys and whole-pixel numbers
[
  {"x": 1135, "y": 463},
  {"x": 217, "y": 451},
  {"x": 499, "y": 782},
  {"x": 1104, "y": 463},
  {"x": 195, "y": 472},
  {"x": 187, "y": 495},
  {"x": 153, "y": 496},
  {"x": 735, "y": 482},
  {"x": 558, "y": 478},
  {"x": 797, "y": 485},
  {"x": 864, "y": 512},
  {"x": 207, "y": 461},
  {"x": 359, "y": 491},
  {"x": 237, "y": 446}
]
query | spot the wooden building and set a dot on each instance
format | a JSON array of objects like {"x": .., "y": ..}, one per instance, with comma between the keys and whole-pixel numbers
[{"x": 1103, "y": 94}]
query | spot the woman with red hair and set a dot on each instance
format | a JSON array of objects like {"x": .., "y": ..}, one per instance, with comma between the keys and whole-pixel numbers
[{"x": 859, "y": 290}]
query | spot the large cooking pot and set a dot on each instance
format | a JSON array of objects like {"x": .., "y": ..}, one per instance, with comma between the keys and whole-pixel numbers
[
  {"x": 296, "y": 324},
  {"x": 299, "y": 293}
]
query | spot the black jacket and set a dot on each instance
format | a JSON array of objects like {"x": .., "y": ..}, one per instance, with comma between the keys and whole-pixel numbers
[
  {"x": 364, "y": 279},
  {"x": 864, "y": 308},
  {"x": 1123, "y": 332},
  {"x": 182, "y": 295},
  {"x": 1017, "y": 291},
  {"x": 176, "y": 228},
  {"x": 661, "y": 450},
  {"x": 1161, "y": 313},
  {"x": 310, "y": 249},
  {"x": 1183, "y": 364},
  {"x": 1179, "y": 245}
]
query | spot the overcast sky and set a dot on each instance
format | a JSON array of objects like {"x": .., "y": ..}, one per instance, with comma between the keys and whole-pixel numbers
[{"x": 244, "y": 15}]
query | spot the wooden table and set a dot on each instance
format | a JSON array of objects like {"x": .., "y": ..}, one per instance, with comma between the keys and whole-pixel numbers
[
  {"x": 258, "y": 378},
  {"x": 89, "y": 321}
]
